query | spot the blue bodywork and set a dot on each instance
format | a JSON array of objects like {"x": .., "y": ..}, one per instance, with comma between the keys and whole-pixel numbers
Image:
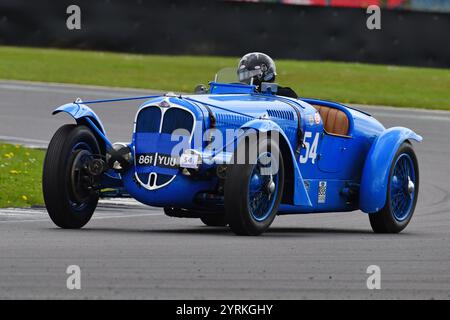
[
  {"x": 84, "y": 115},
  {"x": 378, "y": 164},
  {"x": 329, "y": 172}
]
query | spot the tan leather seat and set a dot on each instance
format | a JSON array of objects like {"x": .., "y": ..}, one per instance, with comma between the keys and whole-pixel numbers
[{"x": 334, "y": 120}]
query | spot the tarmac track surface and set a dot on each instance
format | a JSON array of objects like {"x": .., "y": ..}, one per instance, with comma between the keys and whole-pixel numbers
[{"x": 132, "y": 251}]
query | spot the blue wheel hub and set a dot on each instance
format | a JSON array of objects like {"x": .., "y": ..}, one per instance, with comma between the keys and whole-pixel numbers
[
  {"x": 262, "y": 189},
  {"x": 403, "y": 187},
  {"x": 78, "y": 195}
]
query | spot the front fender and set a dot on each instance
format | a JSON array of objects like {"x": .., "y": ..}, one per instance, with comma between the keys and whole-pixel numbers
[
  {"x": 86, "y": 116},
  {"x": 375, "y": 175},
  {"x": 300, "y": 195}
]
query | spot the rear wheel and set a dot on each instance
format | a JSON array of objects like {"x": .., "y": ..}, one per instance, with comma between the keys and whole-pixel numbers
[
  {"x": 66, "y": 186},
  {"x": 253, "y": 190},
  {"x": 402, "y": 192}
]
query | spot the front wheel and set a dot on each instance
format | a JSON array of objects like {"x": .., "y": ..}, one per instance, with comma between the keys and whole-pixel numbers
[
  {"x": 253, "y": 190},
  {"x": 402, "y": 192},
  {"x": 67, "y": 188}
]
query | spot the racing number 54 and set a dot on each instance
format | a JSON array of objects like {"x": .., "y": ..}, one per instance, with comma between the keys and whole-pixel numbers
[{"x": 310, "y": 148}]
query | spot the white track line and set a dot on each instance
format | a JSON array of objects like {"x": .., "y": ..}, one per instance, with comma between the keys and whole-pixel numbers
[
  {"x": 370, "y": 108},
  {"x": 122, "y": 202},
  {"x": 94, "y": 217},
  {"x": 33, "y": 86},
  {"x": 38, "y": 214},
  {"x": 114, "y": 91},
  {"x": 31, "y": 143},
  {"x": 409, "y": 116},
  {"x": 420, "y": 115}
]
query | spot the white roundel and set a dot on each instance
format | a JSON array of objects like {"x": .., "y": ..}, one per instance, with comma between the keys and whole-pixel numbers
[{"x": 317, "y": 118}]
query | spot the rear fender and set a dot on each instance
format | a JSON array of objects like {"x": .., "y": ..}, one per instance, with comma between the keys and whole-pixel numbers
[
  {"x": 375, "y": 175},
  {"x": 300, "y": 195}
]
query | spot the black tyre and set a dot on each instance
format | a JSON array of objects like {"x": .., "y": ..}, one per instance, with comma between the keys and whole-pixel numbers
[
  {"x": 217, "y": 220},
  {"x": 402, "y": 192},
  {"x": 69, "y": 201},
  {"x": 252, "y": 197}
]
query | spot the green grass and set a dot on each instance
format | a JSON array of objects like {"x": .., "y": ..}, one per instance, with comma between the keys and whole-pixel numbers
[
  {"x": 20, "y": 176},
  {"x": 344, "y": 82}
]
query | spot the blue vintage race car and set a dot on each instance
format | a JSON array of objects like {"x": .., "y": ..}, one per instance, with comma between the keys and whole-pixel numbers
[{"x": 233, "y": 155}]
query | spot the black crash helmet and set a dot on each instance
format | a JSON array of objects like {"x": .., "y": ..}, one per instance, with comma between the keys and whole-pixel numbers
[{"x": 257, "y": 66}]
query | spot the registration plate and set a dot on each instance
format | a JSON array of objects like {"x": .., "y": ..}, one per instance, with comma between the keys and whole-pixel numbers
[{"x": 158, "y": 160}]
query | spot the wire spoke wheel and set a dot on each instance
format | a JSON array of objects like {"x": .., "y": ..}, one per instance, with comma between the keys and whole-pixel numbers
[
  {"x": 253, "y": 190},
  {"x": 261, "y": 189},
  {"x": 401, "y": 194},
  {"x": 402, "y": 187}
]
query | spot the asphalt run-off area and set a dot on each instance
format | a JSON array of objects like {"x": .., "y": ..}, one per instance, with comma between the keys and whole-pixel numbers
[{"x": 133, "y": 251}]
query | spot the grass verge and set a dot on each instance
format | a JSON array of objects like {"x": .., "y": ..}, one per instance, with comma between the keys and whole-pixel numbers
[
  {"x": 344, "y": 82},
  {"x": 20, "y": 176}
]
